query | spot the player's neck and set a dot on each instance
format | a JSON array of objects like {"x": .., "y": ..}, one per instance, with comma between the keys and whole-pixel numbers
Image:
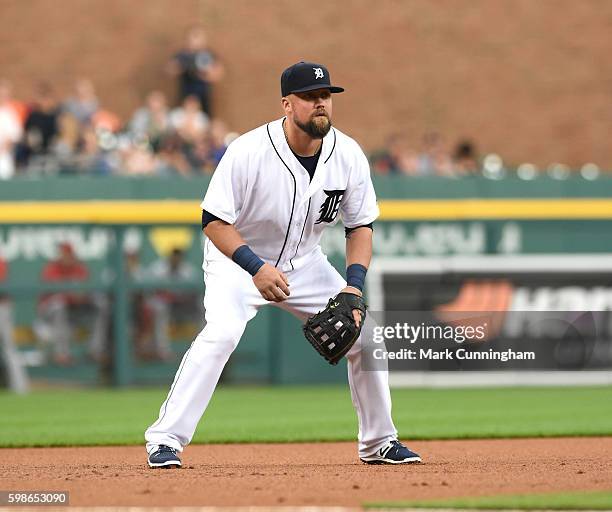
[{"x": 299, "y": 141}]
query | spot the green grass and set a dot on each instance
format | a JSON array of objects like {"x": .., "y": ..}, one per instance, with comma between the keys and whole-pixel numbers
[
  {"x": 283, "y": 414},
  {"x": 595, "y": 500}
]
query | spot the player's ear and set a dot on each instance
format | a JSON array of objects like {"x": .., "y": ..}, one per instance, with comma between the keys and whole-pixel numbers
[{"x": 286, "y": 104}]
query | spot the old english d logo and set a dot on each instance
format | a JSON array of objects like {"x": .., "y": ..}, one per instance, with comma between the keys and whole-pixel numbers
[
  {"x": 318, "y": 73},
  {"x": 331, "y": 205}
]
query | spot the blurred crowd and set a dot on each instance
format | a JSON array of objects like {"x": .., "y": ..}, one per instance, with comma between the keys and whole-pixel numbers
[
  {"x": 180, "y": 136},
  {"x": 431, "y": 157},
  {"x": 79, "y": 135}
]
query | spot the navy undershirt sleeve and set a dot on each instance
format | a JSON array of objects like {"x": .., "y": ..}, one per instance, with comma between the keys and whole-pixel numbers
[
  {"x": 347, "y": 231},
  {"x": 207, "y": 218}
]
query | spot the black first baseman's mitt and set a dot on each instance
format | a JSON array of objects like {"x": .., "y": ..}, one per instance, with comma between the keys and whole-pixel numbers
[{"x": 332, "y": 332}]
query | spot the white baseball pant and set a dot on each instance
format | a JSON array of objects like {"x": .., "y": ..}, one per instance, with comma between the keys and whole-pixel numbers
[{"x": 231, "y": 300}]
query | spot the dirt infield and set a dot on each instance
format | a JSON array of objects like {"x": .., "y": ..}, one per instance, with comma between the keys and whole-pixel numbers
[{"x": 325, "y": 474}]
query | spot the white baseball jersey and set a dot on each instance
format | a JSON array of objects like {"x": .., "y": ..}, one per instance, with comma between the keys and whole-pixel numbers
[{"x": 262, "y": 189}]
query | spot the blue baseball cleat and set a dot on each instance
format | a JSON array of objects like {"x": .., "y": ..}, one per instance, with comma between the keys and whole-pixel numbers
[
  {"x": 394, "y": 453},
  {"x": 164, "y": 457}
]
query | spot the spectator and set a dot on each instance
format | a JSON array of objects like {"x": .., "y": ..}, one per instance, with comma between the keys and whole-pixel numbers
[
  {"x": 465, "y": 159},
  {"x": 218, "y": 137},
  {"x": 434, "y": 159},
  {"x": 19, "y": 108},
  {"x": 138, "y": 160},
  {"x": 206, "y": 153},
  {"x": 10, "y": 131},
  {"x": 198, "y": 154},
  {"x": 397, "y": 158},
  {"x": 152, "y": 121},
  {"x": 84, "y": 104},
  {"x": 66, "y": 144},
  {"x": 105, "y": 121},
  {"x": 91, "y": 158},
  {"x": 189, "y": 121},
  {"x": 164, "y": 304},
  {"x": 171, "y": 159},
  {"x": 60, "y": 312},
  {"x": 17, "y": 377},
  {"x": 197, "y": 68},
  {"x": 41, "y": 126}
]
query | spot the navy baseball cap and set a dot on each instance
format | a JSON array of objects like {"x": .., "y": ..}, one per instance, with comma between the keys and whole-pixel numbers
[{"x": 306, "y": 76}]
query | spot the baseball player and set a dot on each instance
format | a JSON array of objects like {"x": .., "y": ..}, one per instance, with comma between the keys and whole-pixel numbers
[
  {"x": 274, "y": 192},
  {"x": 10, "y": 359}
]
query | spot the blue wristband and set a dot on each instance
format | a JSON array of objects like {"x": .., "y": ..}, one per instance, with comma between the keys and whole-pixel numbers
[
  {"x": 355, "y": 276},
  {"x": 247, "y": 259}
]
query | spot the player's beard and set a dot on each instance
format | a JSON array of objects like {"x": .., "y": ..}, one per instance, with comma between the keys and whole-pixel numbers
[{"x": 317, "y": 127}]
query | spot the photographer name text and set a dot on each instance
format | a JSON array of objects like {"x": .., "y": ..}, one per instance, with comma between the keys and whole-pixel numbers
[{"x": 460, "y": 354}]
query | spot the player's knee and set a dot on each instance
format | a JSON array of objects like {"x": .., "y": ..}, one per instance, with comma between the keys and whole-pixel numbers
[{"x": 224, "y": 337}]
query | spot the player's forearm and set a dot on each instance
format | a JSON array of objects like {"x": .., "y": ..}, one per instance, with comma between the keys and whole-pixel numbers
[
  {"x": 225, "y": 237},
  {"x": 359, "y": 247},
  {"x": 358, "y": 256}
]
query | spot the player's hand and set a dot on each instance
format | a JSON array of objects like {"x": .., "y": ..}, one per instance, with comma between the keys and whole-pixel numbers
[
  {"x": 271, "y": 283},
  {"x": 356, "y": 312}
]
